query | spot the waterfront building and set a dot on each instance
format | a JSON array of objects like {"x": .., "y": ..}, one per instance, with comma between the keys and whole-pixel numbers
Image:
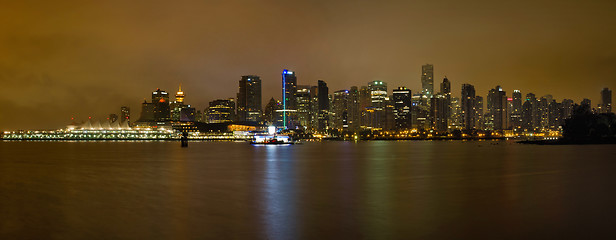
[
  {"x": 468, "y": 106},
  {"x": 354, "y": 109},
  {"x": 378, "y": 96},
  {"x": 323, "y": 103},
  {"x": 446, "y": 92},
  {"x": 479, "y": 115},
  {"x": 289, "y": 103},
  {"x": 427, "y": 80},
  {"x": 220, "y": 111},
  {"x": 340, "y": 108},
  {"x": 516, "y": 110},
  {"x": 249, "y": 99},
  {"x": 402, "y": 103},
  {"x": 272, "y": 115},
  {"x": 303, "y": 105},
  {"x": 497, "y": 109},
  {"x": 438, "y": 112},
  {"x": 162, "y": 111}
]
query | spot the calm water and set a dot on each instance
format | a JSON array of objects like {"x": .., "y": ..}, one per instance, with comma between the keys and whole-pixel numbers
[{"x": 340, "y": 190}]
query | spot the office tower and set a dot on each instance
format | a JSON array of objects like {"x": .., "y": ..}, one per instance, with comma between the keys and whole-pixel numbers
[
  {"x": 289, "y": 88},
  {"x": 446, "y": 92},
  {"x": 147, "y": 112},
  {"x": 272, "y": 115},
  {"x": 497, "y": 109},
  {"x": 427, "y": 80},
  {"x": 378, "y": 95},
  {"x": 303, "y": 103},
  {"x": 438, "y": 112},
  {"x": 420, "y": 113},
  {"x": 516, "y": 110},
  {"x": 162, "y": 111},
  {"x": 402, "y": 108},
  {"x": 179, "y": 95},
  {"x": 354, "y": 109},
  {"x": 606, "y": 100},
  {"x": 479, "y": 117},
  {"x": 125, "y": 114},
  {"x": 340, "y": 114},
  {"x": 220, "y": 111},
  {"x": 468, "y": 106},
  {"x": 249, "y": 99},
  {"x": 314, "y": 108},
  {"x": 323, "y": 103},
  {"x": 390, "y": 122}
]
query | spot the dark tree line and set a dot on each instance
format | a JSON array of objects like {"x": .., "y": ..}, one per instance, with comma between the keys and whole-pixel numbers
[{"x": 585, "y": 126}]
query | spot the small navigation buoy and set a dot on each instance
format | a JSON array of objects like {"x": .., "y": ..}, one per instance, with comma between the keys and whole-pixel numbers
[{"x": 184, "y": 139}]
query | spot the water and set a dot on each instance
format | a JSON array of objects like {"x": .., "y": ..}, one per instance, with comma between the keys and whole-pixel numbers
[{"x": 333, "y": 190}]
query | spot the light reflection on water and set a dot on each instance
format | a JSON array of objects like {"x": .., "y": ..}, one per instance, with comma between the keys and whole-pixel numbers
[{"x": 363, "y": 190}]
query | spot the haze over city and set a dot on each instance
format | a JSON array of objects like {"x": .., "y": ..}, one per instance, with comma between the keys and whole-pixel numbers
[{"x": 77, "y": 59}]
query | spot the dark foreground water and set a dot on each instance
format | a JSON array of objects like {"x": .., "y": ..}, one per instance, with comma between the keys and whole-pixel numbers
[{"x": 333, "y": 190}]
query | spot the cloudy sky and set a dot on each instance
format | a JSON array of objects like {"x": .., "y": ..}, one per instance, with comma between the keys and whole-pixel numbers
[{"x": 63, "y": 59}]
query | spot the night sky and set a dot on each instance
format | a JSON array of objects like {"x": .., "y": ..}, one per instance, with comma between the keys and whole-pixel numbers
[{"x": 89, "y": 58}]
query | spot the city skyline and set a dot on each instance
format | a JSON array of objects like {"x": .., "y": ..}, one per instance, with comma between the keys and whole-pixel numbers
[{"x": 71, "y": 60}]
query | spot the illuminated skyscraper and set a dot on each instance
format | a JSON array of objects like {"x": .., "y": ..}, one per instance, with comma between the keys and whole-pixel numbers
[
  {"x": 468, "y": 106},
  {"x": 606, "y": 100},
  {"x": 378, "y": 95},
  {"x": 162, "y": 111},
  {"x": 446, "y": 92},
  {"x": 497, "y": 109},
  {"x": 438, "y": 112},
  {"x": 340, "y": 109},
  {"x": 179, "y": 95},
  {"x": 402, "y": 108},
  {"x": 516, "y": 110},
  {"x": 289, "y": 104},
  {"x": 323, "y": 103},
  {"x": 354, "y": 109},
  {"x": 249, "y": 99},
  {"x": 479, "y": 117},
  {"x": 427, "y": 80},
  {"x": 303, "y": 101}
]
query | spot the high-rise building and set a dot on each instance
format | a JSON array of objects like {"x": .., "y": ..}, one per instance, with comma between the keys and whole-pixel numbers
[
  {"x": 272, "y": 115},
  {"x": 606, "y": 100},
  {"x": 220, "y": 111},
  {"x": 527, "y": 115},
  {"x": 456, "y": 114},
  {"x": 543, "y": 111},
  {"x": 125, "y": 114},
  {"x": 420, "y": 113},
  {"x": 378, "y": 96},
  {"x": 354, "y": 109},
  {"x": 427, "y": 80},
  {"x": 497, "y": 109},
  {"x": 289, "y": 103},
  {"x": 323, "y": 103},
  {"x": 162, "y": 111},
  {"x": 147, "y": 112},
  {"x": 567, "y": 109},
  {"x": 468, "y": 106},
  {"x": 438, "y": 112},
  {"x": 535, "y": 114},
  {"x": 446, "y": 92},
  {"x": 402, "y": 108},
  {"x": 516, "y": 110},
  {"x": 249, "y": 99},
  {"x": 177, "y": 105},
  {"x": 340, "y": 113},
  {"x": 479, "y": 117},
  {"x": 554, "y": 114},
  {"x": 303, "y": 103}
]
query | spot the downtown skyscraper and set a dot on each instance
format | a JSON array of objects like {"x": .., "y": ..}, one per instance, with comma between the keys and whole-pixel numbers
[
  {"x": 289, "y": 103},
  {"x": 427, "y": 80},
  {"x": 249, "y": 99},
  {"x": 468, "y": 106}
]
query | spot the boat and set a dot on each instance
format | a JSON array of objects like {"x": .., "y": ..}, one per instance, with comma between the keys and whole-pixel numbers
[{"x": 272, "y": 140}]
